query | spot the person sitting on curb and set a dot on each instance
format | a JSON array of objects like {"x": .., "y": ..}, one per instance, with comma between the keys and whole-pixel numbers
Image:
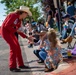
[
  {"x": 70, "y": 37},
  {"x": 40, "y": 52},
  {"x": 67, "y": 26}
]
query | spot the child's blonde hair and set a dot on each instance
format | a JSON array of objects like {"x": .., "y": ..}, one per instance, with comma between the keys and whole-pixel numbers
[{"x": 51, "y": 34}]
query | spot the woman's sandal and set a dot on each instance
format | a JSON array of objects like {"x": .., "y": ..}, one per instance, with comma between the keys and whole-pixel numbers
[{"x": 48, "y": 70}]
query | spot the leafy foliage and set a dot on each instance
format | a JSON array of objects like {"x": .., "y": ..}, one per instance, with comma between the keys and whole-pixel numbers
[{"x": 11, "y": 5}]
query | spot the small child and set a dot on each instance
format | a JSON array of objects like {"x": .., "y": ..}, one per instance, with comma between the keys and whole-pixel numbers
[
  {"x": 30, "y": 42},
  {"x": 54, "y": 54}
]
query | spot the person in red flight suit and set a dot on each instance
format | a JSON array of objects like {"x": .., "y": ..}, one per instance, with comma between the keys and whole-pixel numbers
[{"x": 11, "y": 25}]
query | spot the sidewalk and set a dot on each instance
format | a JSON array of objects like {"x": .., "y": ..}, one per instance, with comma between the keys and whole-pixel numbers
[
  {"x": 36, "y": 69},
  {"x": 0, "y": 31},
  {"x": 68, "y": 67}
]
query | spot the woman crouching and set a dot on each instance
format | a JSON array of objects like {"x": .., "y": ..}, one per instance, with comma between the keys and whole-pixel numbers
[{"x": 54, "y": 54}]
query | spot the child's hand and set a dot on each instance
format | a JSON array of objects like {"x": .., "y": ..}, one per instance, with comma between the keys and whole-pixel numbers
[
  {"x": 30, "y": 39},
  {"x": 39, "y": 47},
  {"x": 49, "y": 53}
]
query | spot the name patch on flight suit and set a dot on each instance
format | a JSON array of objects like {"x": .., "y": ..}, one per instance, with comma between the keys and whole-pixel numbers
[{"x": 16, "y": 21}]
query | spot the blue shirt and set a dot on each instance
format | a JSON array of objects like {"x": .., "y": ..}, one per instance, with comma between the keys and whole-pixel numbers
[{"x": 71, "y": 10}]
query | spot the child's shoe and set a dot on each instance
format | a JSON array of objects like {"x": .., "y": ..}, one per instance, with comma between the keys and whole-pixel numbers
[{"x": 30, "y": 46}]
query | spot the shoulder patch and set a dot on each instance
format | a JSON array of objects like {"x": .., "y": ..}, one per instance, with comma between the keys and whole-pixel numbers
[{"x": 16, "y": 21}]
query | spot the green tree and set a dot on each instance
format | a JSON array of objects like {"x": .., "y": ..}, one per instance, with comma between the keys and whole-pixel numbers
[{"x": 11, "y": 5}]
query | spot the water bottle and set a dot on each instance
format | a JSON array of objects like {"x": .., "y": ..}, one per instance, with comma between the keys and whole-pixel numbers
[{"x": 69, "y": 54}]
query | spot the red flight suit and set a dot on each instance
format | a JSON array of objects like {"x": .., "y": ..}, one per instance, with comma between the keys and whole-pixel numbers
[{"x": 7, "y": 30}]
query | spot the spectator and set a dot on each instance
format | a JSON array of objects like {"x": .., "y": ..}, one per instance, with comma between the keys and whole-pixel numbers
[
  {"x": 67, "y": 26},
  {"x": 33, "y": 23},
  {"x": 49, "y": 18},
  {"x": 28, "y": 27},
  {"x": 70, "y": 37},
  {"x": 71, "y": 9},
  {"x": 40, "y": 52},
  {"x": 57, "y": 20},
  {"x": 40, "y": 27}
]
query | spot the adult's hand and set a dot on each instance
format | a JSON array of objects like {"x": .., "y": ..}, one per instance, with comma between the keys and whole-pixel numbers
[{"x": 30, "y": 39}]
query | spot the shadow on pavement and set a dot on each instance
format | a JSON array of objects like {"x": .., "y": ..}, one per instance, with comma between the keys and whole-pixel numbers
[
  {"x": 36, "y": 67},
  {"x": 31, "y": 71},
  {"x": 31, "y": 61}
]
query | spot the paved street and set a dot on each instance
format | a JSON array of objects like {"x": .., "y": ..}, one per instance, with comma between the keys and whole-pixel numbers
[
  {"x": 4, "y": 55},
  {"x": 29, "y": 59}
]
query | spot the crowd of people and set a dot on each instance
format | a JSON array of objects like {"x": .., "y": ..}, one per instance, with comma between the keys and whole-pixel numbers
[
  {"x": 39, "y": 33},
  {"x": 49, "y": 51}
]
